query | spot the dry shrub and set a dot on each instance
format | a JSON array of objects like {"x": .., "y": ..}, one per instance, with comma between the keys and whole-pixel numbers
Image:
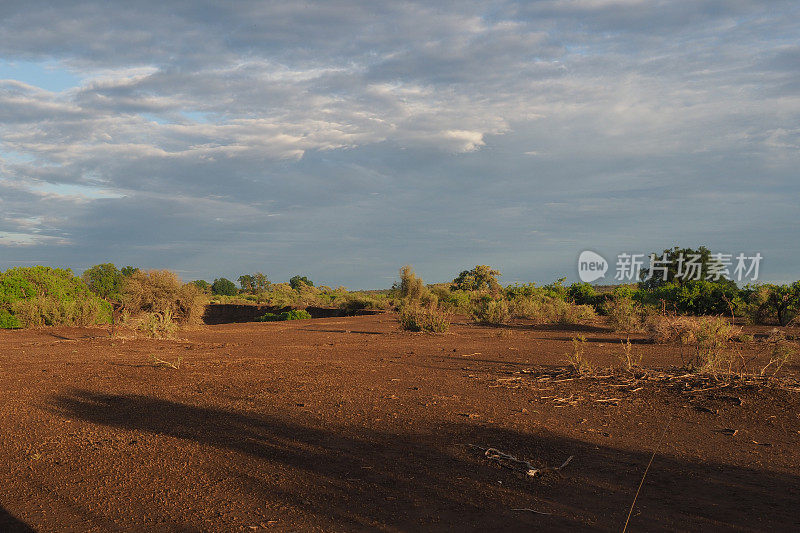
[
  {"x": 625, "y": 315},
  {"x": 487, "y": 310},
  {"x": 158, "y": 325},
  {"x": 578, "y": 313},
  {"x": 411, "y": 286},
  {"x": 713, "y": 336},
  {"x": 547, "y": 310},
  {"x": 161, "y": 291},
  {"x": 666, "y": 329},
  {"x": 713, "y": 340},
  {"x": 424, "y": 318},
  {"x": 48, "y": 311},
  {"x": 706, "y": 330},
  {"x": 781, "y": 352},
  {"x": 413, "y": 292}
]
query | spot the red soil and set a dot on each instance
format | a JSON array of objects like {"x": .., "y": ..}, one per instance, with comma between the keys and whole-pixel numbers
[{"x": 348, "y": 424}]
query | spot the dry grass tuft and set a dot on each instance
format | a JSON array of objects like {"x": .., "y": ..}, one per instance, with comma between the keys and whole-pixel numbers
[
  {"x": 627, "y": 357},
  {"x": 577, "y": 358}
]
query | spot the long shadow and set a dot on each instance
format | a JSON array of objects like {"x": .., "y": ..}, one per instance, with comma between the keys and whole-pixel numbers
[
  {"x": 342, "y": 331},
  {"x": 11, "y": 524},
  {"x": 357, "y": 478},
  {"x": 586, "y": 328},
  {"x": 605, "y": 340}
]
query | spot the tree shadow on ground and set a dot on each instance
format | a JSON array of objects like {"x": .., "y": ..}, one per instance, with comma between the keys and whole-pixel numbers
[
  {"x": 585, "y": 328},
  {"x": 11, "y": 524},
  {"x": 606, "y": 340},
  {"x": 354, "y": 478}
]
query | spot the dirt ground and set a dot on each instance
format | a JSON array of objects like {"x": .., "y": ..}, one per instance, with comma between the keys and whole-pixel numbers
[{"x": 349, "y": 424}]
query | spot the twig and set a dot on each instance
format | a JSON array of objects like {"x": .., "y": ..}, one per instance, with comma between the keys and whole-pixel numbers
[
  {"x": 633, "y": 504},
  {"x": 160, "y": 362},
  {"x": 509, "y": 461}
]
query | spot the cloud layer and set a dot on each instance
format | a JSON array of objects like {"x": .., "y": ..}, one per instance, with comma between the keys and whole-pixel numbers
[{"x": 344, "y": 139}]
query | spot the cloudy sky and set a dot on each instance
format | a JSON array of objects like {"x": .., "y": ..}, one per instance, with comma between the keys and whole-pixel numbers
[{"x": 344, "y": 139}]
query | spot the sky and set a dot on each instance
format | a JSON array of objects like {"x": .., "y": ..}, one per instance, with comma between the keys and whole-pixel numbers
[{"x": 342, "y": 140}]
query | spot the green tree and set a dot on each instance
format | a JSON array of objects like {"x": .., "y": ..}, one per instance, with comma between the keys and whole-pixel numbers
[
  {"x": 246, "y": 281},
  {"x": 582, "y": 293},
  {"x": 298, "y": 281},
  {"x": 224, "y": 287},
  {"x": 260, "y": 282},
  {"x": 202, "y": 284},
  {"x": 128, "y": 271},
  {"x": 775, "y": 302},
  {"x": 677, "y": 265},
  {"x": 482, "y": 277},
  {"x": 104, "y": 280}
]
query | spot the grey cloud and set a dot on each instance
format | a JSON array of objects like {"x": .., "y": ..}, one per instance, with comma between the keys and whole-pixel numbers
[{"x": 349, "y": 138}]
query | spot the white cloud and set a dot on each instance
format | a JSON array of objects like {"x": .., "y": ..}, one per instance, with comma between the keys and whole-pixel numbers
[{"x": 314, "y": 110}]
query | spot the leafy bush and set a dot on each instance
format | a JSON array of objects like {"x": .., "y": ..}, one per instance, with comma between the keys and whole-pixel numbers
[
  {"x": 48, "y": 311},
  {"x": 556, "y": 289},
  {"x": 223, "y": 287},
  {"x": 453, "y": 300},
  {"x": 294, "y": 314},
  {"x": 699, "y": 297},
  {"x": 627, "y": 291},
  {"x": 353, "y": 305},
  {"x": 8, "y": 321},
  {"x": 582, "y": 294},
  {"x": 428, "y": 318},
  {"x": 44, "y": 296}
]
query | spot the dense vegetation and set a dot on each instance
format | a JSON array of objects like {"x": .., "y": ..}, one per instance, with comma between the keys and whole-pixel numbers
[
  {"x": 44, "y": 296},
  {"x": 38, "y": 296}
]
